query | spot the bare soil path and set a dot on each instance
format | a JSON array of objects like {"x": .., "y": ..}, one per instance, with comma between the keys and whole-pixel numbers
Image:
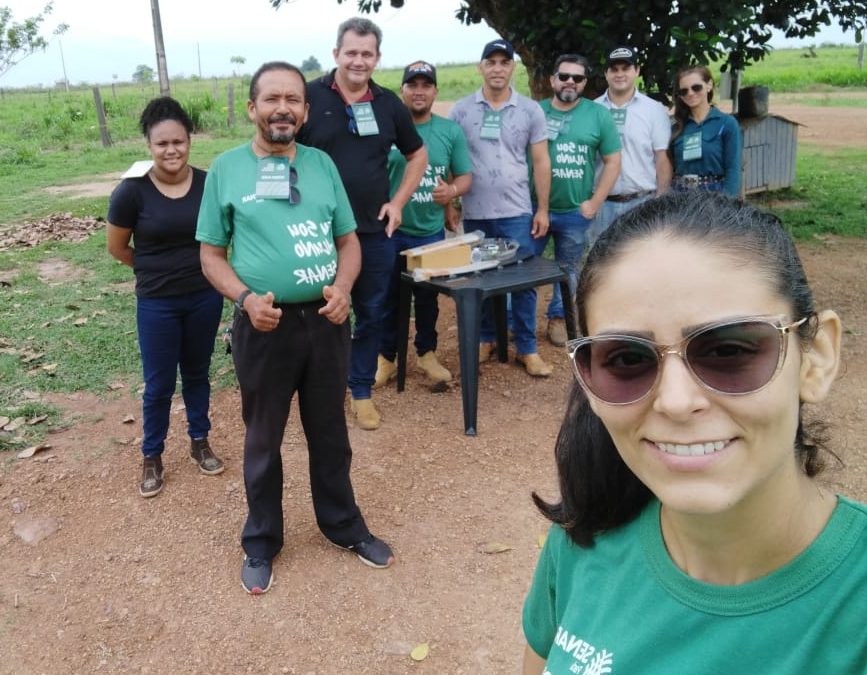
[{"x": 113, "y": 583}]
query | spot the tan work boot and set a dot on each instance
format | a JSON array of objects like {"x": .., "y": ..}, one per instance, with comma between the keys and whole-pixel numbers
[
  {"x": 486, "y": 350},
  {"x": 385, "y": 370},
  {"x": 534, "y": 365},
  {"x": 366, "y": 414},
  {"x": 557, "y": 331},
  {"x": 430, "y": 366}
]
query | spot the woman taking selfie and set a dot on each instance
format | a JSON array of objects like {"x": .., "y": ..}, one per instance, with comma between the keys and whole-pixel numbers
[
  {"x": 705, "y": 143},
  {"x": 177, "y": 310},
  {"x": 691, "y": 534}
]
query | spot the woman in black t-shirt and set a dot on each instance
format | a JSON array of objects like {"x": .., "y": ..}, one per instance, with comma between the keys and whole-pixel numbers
[{"x": 177, "y": 310}]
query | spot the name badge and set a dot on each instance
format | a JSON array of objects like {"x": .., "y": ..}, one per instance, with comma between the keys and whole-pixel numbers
[
  {"x": 555, "y": 126},
  {"x": 365, "y": 120},
  {"x": 273, "y": 178},
  {"x": 619, "y": 117},
  {"x": 491, "y": 125},
  {"x": 692, "y": 146}
]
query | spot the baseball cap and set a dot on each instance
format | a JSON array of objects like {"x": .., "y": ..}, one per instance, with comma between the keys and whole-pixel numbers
[
  {"x": 419, "y": 68},
  {"x": 621, "y": 54},
  {"x": 498, "y": 46}
]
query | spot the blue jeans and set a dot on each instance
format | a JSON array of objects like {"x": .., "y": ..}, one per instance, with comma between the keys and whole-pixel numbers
[
  {"x": 569, "y": 231},
  {"x": 609, "y": 212},
  {"x": 176, "y": 331},
  {"x": 378, "y": 253},
  {"x": 523, "y": 302},
  {"x": 426, "y": 308}
]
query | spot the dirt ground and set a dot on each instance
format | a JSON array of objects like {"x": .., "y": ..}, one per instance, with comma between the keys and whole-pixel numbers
[{"x": 98, "y": 580}]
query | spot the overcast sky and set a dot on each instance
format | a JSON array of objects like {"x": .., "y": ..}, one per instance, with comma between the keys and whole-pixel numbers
[{"x": 108, "y": 38}]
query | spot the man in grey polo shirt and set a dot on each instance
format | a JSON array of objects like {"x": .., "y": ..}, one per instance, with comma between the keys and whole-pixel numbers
[
  {"x": 645, "y": 130},
  {"x": 503, "y": 128}
]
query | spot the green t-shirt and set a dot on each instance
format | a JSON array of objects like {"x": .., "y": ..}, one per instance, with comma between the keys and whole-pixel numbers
[
  {"x": 447, "y": 154},
  {"x": 277, "y": 246},
  {"x": 623, "y": 607},
  {"x": 581, "y": 133}
]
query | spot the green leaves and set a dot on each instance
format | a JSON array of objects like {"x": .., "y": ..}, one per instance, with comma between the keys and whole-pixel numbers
[{"x": 20, "y": 40}]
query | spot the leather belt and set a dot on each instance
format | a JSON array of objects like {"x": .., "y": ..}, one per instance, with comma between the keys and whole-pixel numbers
[
  {"x": 629, "y": 197},
  {"x": 694, "y": 179}
]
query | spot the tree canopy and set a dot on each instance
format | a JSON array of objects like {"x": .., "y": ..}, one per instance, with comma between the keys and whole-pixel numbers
[
  {"x": 143, "y": 74},
  {"x": 20, "y": 40},
  {"x": 667, "y": 35}
]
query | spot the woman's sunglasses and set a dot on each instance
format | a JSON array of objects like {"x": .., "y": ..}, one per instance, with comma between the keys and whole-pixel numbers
[
  {"x": 683, "y": 91},
  {"x": 565, "y": 77},
  {"x": 731, "y": 357}
]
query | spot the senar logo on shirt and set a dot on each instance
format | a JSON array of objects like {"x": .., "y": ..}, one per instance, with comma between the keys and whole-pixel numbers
[{"x": 588, "y": 659}]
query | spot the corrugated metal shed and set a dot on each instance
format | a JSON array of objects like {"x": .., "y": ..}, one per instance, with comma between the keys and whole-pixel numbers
[{"x": 769, "y": 153}]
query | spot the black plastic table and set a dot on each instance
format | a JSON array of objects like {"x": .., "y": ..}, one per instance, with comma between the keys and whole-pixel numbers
[{"x": 469, "y": 291}]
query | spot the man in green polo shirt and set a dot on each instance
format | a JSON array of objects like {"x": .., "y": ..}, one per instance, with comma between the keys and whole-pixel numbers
[
  {"x": 448, "y": 175},
  {"x": 282, "y": 208}
]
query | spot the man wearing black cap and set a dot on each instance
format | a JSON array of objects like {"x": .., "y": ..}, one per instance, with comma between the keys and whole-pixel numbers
[
  {"x": 645, "y": 129},
  {"x": 448, "y": 175},
  {"x": 356, "y": 122},
  {"x": 502, "y": 128}
]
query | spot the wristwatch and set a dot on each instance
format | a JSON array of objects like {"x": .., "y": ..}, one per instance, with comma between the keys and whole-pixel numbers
[{"x": 239, "y": 303}]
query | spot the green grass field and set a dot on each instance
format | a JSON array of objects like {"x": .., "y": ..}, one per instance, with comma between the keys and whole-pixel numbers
[{"x": 50, "y": 139}]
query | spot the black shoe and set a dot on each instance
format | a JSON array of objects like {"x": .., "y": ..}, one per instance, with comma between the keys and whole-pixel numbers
[
  {"x": 202, "y": 455},
  {"x": 372, "y": 551},
  {"x": 256, "y": 575},
  {"x": 152, "y": 474}
]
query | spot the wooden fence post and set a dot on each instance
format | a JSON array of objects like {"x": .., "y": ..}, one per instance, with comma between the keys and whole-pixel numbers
[
  {"x": 230, "y": 106},
  {"x": 100, "y": 115}
]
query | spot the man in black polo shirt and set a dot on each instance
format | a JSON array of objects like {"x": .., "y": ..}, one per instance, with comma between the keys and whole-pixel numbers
[{"x": 356, "y": 122}]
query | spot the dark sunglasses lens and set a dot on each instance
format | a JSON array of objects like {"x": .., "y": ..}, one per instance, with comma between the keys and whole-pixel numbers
[
  {"x": 683, "y": 91},
  {"x": 294, "y": 195},
  {"x": 565, "y": 77},
  {"x": 735, "y": 359},
  {"x": 618, "y": 370}
]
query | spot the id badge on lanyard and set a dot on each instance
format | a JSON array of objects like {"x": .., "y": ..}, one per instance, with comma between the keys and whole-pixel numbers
[
  {"x": 555, "y": 126},
  {"x": 692, "y": 146},
  {"x": 273, "y": 178},
  {"x": 365, "y": 119},
  {"x": 619, "y": 117},
  {"x": 491, "y": 125}
]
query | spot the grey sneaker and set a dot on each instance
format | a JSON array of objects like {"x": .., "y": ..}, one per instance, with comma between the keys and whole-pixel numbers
[
  {"x": 202, "y": 456},
  {"x": 152, "y": 476},
  {"x": 256, "y": 575},
  {"x": 372, "y": 551}
]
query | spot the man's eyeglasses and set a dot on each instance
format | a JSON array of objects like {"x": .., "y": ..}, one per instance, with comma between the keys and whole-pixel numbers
[
  {"x": 353, "y": 125},
  {"x": 731, "y": 357},
  {"x": 683, "y": 91},
  {"x": 565, "y": 77},
  {"x": 294, "y": 193}
]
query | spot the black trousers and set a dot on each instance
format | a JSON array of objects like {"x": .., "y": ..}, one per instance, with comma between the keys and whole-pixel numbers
[{"x": 307, "y": 354}]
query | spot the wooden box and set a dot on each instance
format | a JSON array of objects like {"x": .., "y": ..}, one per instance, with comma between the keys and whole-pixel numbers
[{"x": 443, "y": 256}]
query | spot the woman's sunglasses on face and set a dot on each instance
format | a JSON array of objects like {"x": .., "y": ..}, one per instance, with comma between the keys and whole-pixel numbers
[
  {"x": 732, "y": 357},
  {"x": 683, "y": 91},
  {"x": 565, "y": 77}
]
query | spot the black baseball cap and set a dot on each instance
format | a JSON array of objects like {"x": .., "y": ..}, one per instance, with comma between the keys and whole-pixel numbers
[
  {"x": 621, "y": 55},
  {"x": 420, "y": 69},
  {"x": 498, "y": 46}
]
